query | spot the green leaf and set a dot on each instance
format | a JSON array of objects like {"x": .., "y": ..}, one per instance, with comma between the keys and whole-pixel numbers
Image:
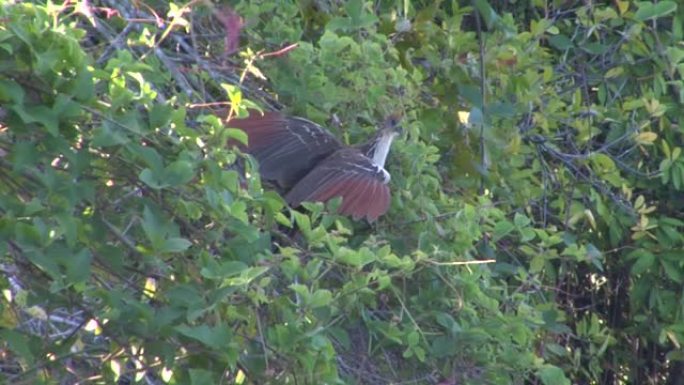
[
  {"x": 339, "y": 24},
  {"x": 65, "y": 108},
  {"x": 175, "y": 174},
  {"x": 178, "y": 173},
  {"x": 200, "y": 377},
  {"x": 29, "y": 235},
  {"x": 614, "y": 72},
  {"x": 527, "y": 234},
  {"x": 82, "y": 87},
  {"x": 78, "y": 266},
  {"x": 341, "y": 335},
  {"x": 223, "y": 270},
  {"x": 358, "y": 17},
  {"x": 24, "y": 154},
  {"x": 354, "y": 8},
  {"x": 234, "y": 95},
  {"x": 175, "y": 245},
  {"x": 299, "y": 289},
  {"x": 237, "y": 134},
  {"x": 672, "y": 270},
  {"x": 356, "y": 258},
  {"x": 648, "y": 10},
  {"x": 320, "y": 298},
  {"x": 646, "y": 138},
  {"x": 160, "y": 115},
  {"x": 645, "y": 261},
  {"x": 303, "y": 223},
  {"x": 552, "y": 375},
  {"x": 11, "y": 91},
  {"x": 537, "y": 263},
  {"x": 487, "y": 12},
  {"x": 521, "y": 220},
  {"x": 39, "y": 114},
  {"x": 561, "y": 42},
  {"x": 413, "y": 338},
  {"x": 154, "y": 227},
  {"x": 420, "y": 353},
  {"x": 603, "y": 163},
  {"x": 109, "y": 134},
  {"x": 502, "y": 228},
  {"x": 150, "y": 178},
  {"x": 448, "y": 322},
  {"x": 152, "y": 158},
  {"x": 217, "y": 337},
  {"x": 444, "y": 346},
  {"x": 594, "y": 48},
  {"x": 18, "y": 343},
  {"x": 246, "y": 276}
]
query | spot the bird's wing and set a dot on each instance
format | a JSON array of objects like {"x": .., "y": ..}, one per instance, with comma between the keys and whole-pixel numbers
[
  {"x": 287, "y": 148},
  {"x": 348, "y": 174}
]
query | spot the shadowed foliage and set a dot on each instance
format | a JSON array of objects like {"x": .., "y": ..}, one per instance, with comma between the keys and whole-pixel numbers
[{"x": 535, "y": 231}]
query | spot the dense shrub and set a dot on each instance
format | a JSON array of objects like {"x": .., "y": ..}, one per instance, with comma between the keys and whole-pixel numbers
[{"x": 535, "y": 233}]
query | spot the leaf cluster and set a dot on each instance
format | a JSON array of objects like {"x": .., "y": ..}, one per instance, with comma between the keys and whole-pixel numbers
[{"x": 534, "y": 234}]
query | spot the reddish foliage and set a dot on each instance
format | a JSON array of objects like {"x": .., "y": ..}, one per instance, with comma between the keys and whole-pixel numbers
[
  {"x": 232, "y": 23},
  {"x": 108, "y": 12}
]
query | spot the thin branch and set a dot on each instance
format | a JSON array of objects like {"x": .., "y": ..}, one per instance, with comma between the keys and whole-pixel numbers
[
  {"x": 462, "y": 263},
  {"x": 483, "y": 154}
]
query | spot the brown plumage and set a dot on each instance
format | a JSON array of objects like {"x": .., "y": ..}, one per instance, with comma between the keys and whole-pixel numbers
[{"x": 308, "y": 162}]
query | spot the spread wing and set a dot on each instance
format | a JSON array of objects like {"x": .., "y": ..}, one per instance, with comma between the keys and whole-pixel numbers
[
  {"x": 287, "y": 148},
  {"x": 348, "y": 174}
]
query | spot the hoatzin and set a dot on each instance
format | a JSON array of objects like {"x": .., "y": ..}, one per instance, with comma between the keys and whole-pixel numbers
[{"x": 309, "y": 164}]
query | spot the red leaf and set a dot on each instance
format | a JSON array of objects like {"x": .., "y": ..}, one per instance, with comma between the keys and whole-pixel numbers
[{"x": 232, "y": 23}]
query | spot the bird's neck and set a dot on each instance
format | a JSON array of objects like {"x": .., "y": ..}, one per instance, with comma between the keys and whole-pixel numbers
[{"x": 378, "y": 147}]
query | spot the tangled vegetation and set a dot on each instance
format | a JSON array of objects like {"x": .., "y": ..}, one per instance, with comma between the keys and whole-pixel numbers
[{"x": 535, "y": 235}]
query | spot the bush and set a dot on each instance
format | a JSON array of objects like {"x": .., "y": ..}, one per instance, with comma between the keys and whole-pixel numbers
[{"x": 534, "y": 234}]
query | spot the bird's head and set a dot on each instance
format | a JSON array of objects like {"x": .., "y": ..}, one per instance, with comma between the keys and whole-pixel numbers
[
  {"x": 391, "y": 125},
  {"x": 378, "y": 146}
]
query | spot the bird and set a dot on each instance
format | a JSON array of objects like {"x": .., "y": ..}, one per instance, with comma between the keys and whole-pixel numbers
[{"x": 309, "y": 163}]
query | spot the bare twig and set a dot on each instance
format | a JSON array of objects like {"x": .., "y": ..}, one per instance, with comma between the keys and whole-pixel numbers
[{"x": 483, "y": 90}]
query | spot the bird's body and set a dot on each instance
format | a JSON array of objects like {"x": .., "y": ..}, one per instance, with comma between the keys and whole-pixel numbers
[{"x": 310, "y": 164}]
